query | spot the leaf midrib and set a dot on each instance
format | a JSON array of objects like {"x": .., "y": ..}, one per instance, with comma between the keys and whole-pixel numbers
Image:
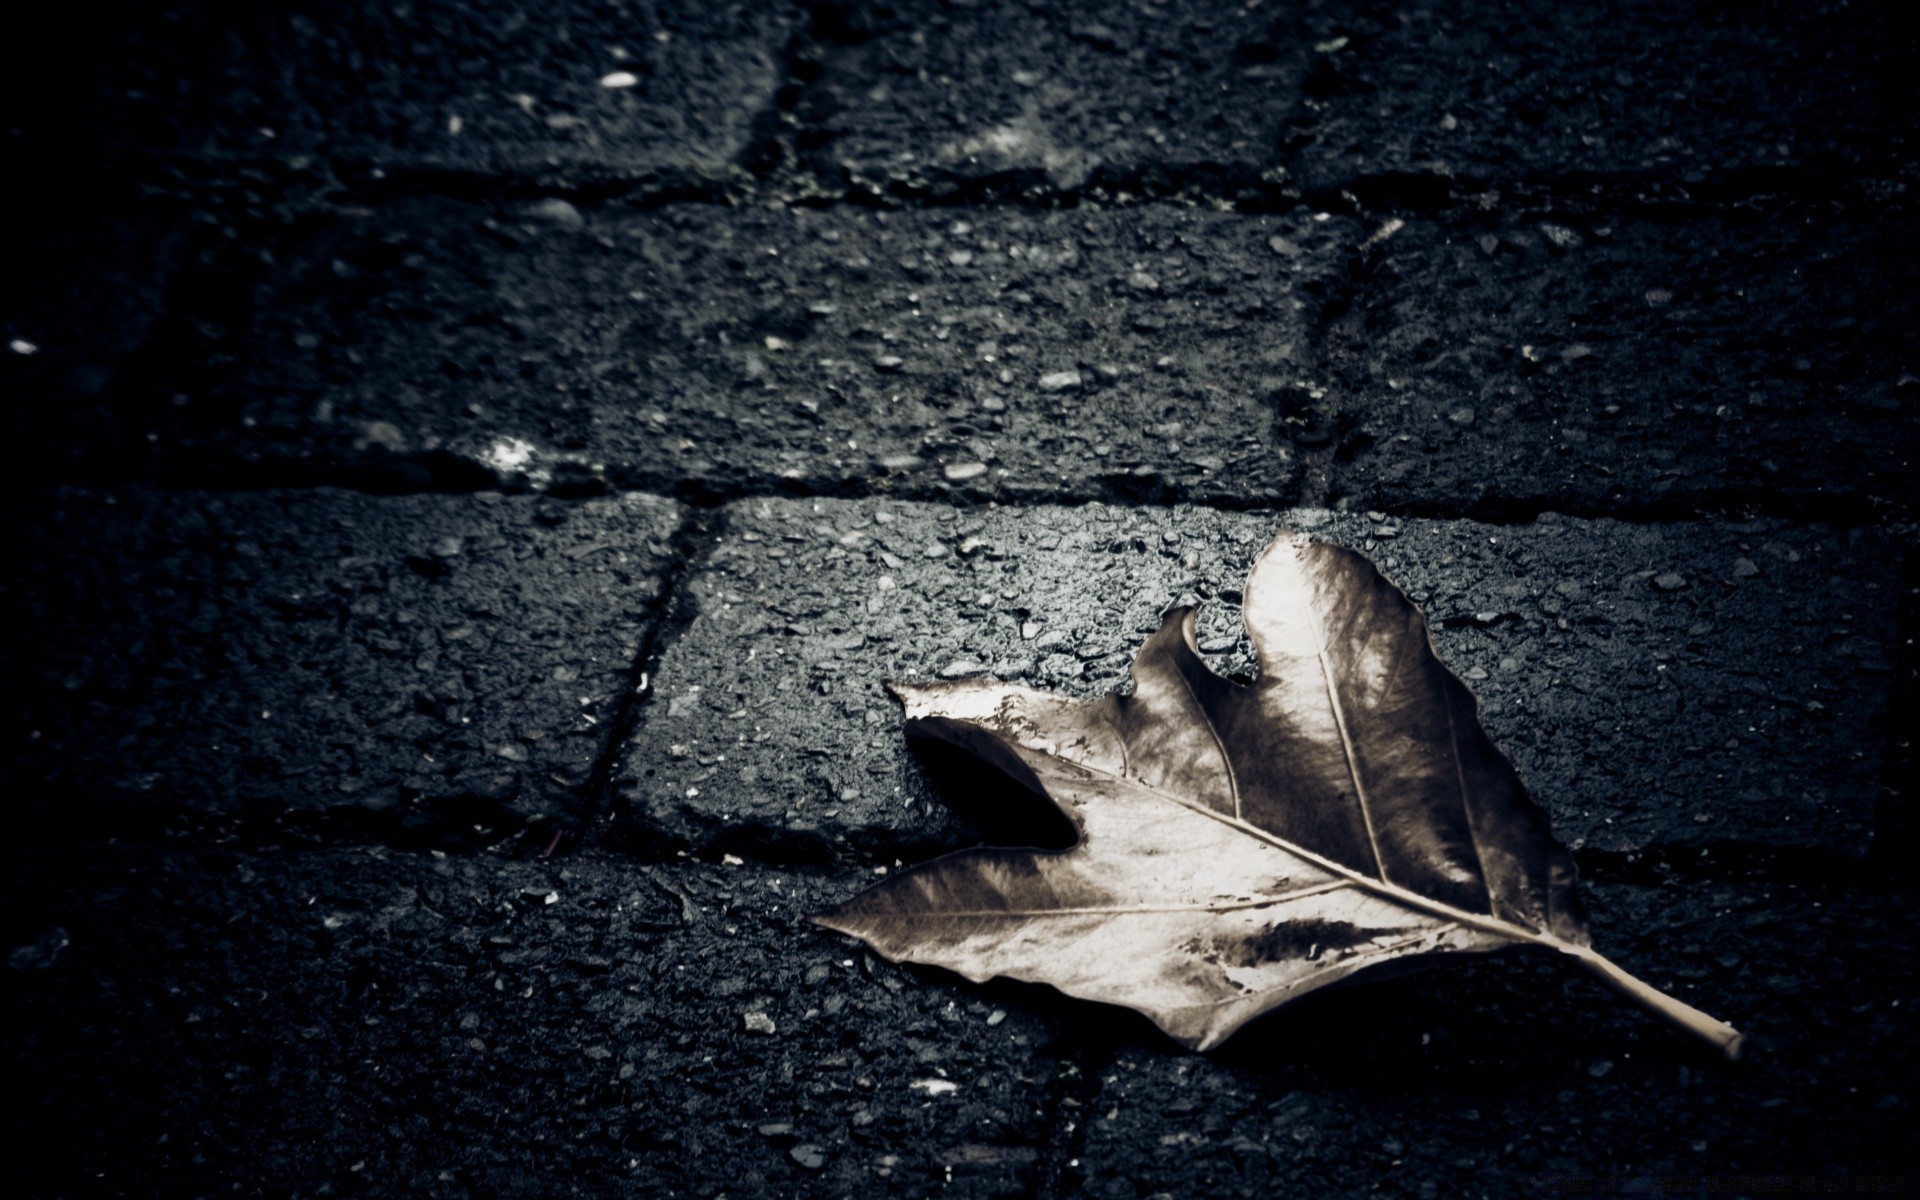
[
  {"x": 1485, "y": 922},
  {"x": 1318, "y": 889},
  {"x": 1353, "y": 761},
  {"x": 1220, "y": 743}
]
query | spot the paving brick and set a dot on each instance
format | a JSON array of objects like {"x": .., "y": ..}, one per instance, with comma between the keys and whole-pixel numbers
[
  {"x": 229, "y": 1017},
  {"x": 1067, "y": 353},
  {"x": 493, "y": 86},
  {"x": 1692, "y": 683},
  {"x": 929, "y": 94},
  {"x": 1507, "y": 92},
  {"x": 1605, "y": 363},
  {"x": 288, "y": 761},
  {"x": 1516, "y": 1075},
  {"x": 426, "y": 660}
]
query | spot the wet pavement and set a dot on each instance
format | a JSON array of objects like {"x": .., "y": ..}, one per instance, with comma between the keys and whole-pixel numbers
[{"x": 478, "y": 465}]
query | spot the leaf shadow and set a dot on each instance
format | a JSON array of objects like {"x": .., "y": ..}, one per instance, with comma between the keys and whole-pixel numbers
[
  {"x": 1439, "y": 1015},
  {"x": 1513, "y": 1022},
  {"x": 1461, "y": 1027},
  {"x": 988, "y": 806}
]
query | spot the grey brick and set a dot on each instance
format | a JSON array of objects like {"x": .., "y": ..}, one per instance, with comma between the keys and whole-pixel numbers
[
  {"x": 199, "y": 656},
  {"x": 1058, "y": 95},
  {"x": 597, "y": 1037},
  {"x": 496, "y": 86},
  {"x": 1628, "y": 670},
  {"x": 1511, "y": 93},
  {"x": 726, "y": 350},
  {"x": 1607, "y": 364}
]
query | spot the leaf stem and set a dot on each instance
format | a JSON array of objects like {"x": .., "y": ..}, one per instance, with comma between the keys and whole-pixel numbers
[{"x": 1684, "y": 1016}]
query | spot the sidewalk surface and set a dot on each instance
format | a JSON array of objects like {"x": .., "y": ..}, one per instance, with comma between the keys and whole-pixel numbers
[{"x": 478, "y": 463}]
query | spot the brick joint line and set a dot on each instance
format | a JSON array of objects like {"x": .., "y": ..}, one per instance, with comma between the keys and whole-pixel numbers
[{"x": 666, "y": 616}]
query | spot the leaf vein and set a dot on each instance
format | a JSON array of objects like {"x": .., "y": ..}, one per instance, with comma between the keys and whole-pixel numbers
[
  {"x": 1206, "y": 719},
  {"x": 1284, "y": 898},
  {"x": 1379, "y": 887}
]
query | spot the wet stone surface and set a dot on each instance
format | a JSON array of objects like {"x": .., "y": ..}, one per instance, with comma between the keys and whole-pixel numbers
[
  {"x": 1602, "y": 364},
  {"x": 1064, "y": 96},
  {"x": 364, "y": 1020},
  {"x": 287, "y": 913},
  {"x": 1005, "y": 353},
  {"x": 1416, "y": 96},
  {"x": 1680, "y": 684},
  {"x": 424, "y": 663},
  {"x": 1518, "y": 1075},
  {"x": 609, "y": 89}
]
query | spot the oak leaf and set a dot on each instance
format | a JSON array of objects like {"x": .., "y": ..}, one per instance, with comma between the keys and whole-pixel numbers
[{"x": 1241, "y": 845}]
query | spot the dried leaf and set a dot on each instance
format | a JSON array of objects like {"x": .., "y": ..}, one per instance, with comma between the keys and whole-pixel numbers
[{"x": 1242, "y": 845}]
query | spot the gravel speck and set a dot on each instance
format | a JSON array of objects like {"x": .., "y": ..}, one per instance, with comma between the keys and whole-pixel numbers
[
  {"x": 558, "y": 212},
  {"x": 1561, "y": 237}
]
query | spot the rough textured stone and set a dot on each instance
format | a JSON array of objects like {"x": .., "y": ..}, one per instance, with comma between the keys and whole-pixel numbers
[
  {"x": 424, "y": 660},
  {"x": 229, "y": 1016},
  {"x": 1631, "y": 712},
  {"x": 1509, "y": 92},
  {"x": 1641, "y": 366},
  {"x": 722, "y": 350},
  {"x": 1059, "y": 95},
  {"x": 435, "y": 84}
]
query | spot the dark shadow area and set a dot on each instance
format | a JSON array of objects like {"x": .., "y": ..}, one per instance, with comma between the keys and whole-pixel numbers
[
  {"x": 990, "y": 808},
  {"x": 1729, "y": 860},
  {"x": 1891, "y": 857},
  {"x": 1365, "y": 1032}
]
